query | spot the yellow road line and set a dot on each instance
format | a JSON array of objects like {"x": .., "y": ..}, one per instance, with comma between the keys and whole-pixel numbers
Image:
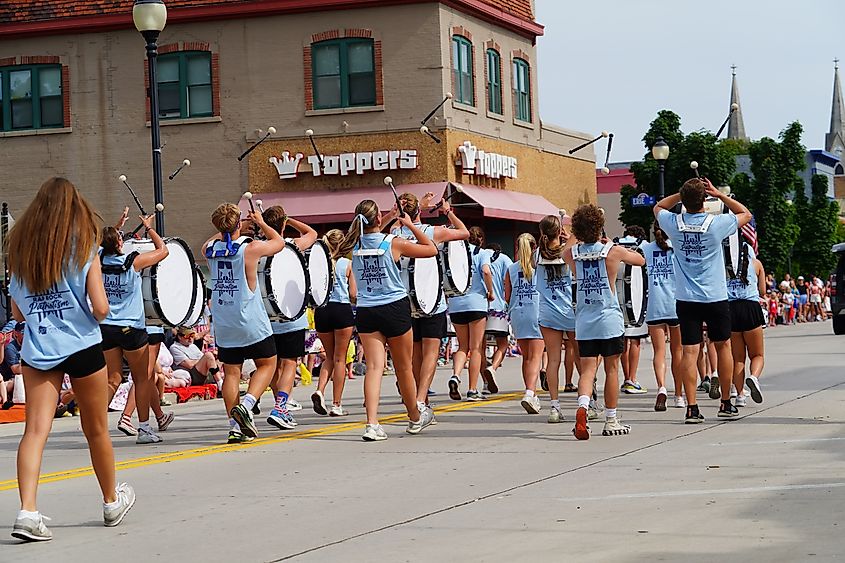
[{"x": 223, "y": 448}]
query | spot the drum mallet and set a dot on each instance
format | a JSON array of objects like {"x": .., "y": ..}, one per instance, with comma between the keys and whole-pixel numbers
[
  {"x": 310, "y": 134},
  {"x": 133, "y": 234},
  {"x": 260, "y": 205},
  {"x": 184, "y": 164},
  {"x": 270, "y": 131},
  {"x": 122, "y": 178},
  {"x": 388, "y": 181},
  {"x": 603, "y": 135},
  {"x": 446, "y": 98},
  {"x": 734, "y": 107},
  {"x": 425, "y": 131},
  {"x": 248, "y": 196},
  {"x": 694, "y": 166},
  {"x": 456, "y": 189},
  {"x": 605, "y": 170}
]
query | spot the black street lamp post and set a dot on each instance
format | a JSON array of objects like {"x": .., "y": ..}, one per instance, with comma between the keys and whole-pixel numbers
[
  {"x": 660, "y": 152},
  {"x": 150, "y": 17}
]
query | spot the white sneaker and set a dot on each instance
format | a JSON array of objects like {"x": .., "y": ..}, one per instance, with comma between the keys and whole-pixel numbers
[
  {"x": 147, "y": 437},
  {"x": 337, "y": 410},
  {"x": 741, "y": 400},
  {"x": 612, "y": 427},
  {"x": 32, "y": 529},
  {"x": 531, "y": 404},
  {"x": 125, "y": 500},
  {"x": 733, "y": 391},
  {"x": 680, "y": 403},
  {"x": 754, "y": 388},
  {"x": 555, "y": 415},
  {"x": 374, "y": 433},
  {"x": 294, "y": 405}
]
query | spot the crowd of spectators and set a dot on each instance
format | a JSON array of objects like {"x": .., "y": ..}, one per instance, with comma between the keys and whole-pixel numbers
[{"x": 801, "y": 300}]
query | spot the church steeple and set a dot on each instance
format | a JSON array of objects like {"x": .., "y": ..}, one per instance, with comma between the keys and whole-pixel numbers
[
  {"x": 834, "y": 141},
  {"x": 736, "y": 127}
]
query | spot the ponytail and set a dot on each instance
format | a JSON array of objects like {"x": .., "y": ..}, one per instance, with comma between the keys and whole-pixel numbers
[
  {"x": 550, "y": 228},
  {"x": 525, "y": 246},
  {"x": 366, "y": 214},
  {"x": 661, "y": 239}
]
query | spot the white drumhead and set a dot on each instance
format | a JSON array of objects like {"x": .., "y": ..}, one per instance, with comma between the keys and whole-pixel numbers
[
  {"x": 459, "y": 265},
  {"x": 497, "y": 322},
  {"x": 426, "y": 284},
  {"x": 199, "y": 302},
  {"x": 175, "y": 282},
  {"x": 288, "y": 281},
  {"x": 733, "y": 251},
  {"x": 320, "y": 273},
  {"x": 637, "y": 292},
  {"x": 714, "y": 206}
]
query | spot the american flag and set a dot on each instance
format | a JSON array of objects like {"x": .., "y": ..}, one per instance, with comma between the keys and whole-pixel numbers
[{"x": 749, "y": 231}]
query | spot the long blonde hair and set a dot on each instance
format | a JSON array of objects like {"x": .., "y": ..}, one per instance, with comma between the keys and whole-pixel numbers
[
  {"x": 58, "y": 232},
  {"x": 333, "y": 240},
  {"x": 369, "y": 211},
  {"x": 525, "y": 246}
]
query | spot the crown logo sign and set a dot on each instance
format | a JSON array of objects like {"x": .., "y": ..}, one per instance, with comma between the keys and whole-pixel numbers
[
  {"x": 286, "y": 166},
  {"x": 469, "y": 152}
]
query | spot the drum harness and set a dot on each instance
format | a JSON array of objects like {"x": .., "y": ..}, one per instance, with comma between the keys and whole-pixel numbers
[
  {"x": 383, "y": 247},
  {"x": 732, "y": 272},
  {"x": 123, "y": 268},
  {"x": 231, "y": 249}
]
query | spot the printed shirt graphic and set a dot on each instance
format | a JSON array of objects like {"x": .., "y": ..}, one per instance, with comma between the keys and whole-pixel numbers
[
  {"x": 524, "y": 304},
  {"x": 240, "y": 318},
  {"x": 738, "y": 291},
  {"x": 597, "y": 313},
  {"x": 378, "y": 277},
  {"x": 660, "y": 267},
  {"x": 475, "y": 298},
  {"x": 554, "y": 284},
  {"x": 699, "y": 258},
  {"x": 59, "y": 322},
  {"x": 126, "y": 300}
]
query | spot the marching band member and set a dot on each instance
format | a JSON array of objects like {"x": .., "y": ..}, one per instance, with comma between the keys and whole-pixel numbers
[
  {"x": 428, "y": 331},
  {"x": 556, "y": 315},
  {"x": 62, "y": 336},
  {"x": 289, "y": 336},
  {"x": 499, "y": 264},
  {"x": 701, "y": 288},
  {"x": 124, "y": 332},
  {"x": 661, "y": 317},
  {"x": 335, "y": 323},
  {"x": 469, "y": 316},
  {"x": 744, "y": 292},
  {"x": 633, "y": 237},
  {"x": 383, "y": 309},
  {"x": 242, "y": 328},
  {"x": 599, "y": 325},
  {"x": 524, "y": 302}
]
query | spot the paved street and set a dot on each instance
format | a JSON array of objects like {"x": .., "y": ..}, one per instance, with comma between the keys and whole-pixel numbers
[{"x": 488, "y": 483}]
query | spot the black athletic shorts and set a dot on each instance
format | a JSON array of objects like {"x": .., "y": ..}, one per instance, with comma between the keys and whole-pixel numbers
[
  {"x": 290, "y": 345},
  {"x": 334, "y": 316},
  {"x": 746, "y": 315},
  {"x": 716, "y": 315},
  {"x": 658, "y": 322},
  {"x": 123, "y": 337},
  {"x": 82, "y": 363},
  {"x": 155, "y": 338},
  {"x": 601, "y": 347},
  {"x": 429, "y": 327},
  {"x": 393, "y": 319},
  {"x": 467, "y": 317},
  {"x": 235, "y": 356}
]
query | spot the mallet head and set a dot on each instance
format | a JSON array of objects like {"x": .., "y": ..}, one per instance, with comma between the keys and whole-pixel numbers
[{"x": 121, "y": 178}]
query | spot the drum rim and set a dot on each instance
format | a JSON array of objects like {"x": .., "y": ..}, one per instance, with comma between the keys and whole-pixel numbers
[
  {"x": 412, "y": 292},
  {"x": 628, "y": 297},
  {"x": 311, "y": 299},
  {"x": 153, "y": 277},
  {"x": 197, "y": 272},
  {"x": 447, "y": 271},
  {"x": 271, "y": 298}
]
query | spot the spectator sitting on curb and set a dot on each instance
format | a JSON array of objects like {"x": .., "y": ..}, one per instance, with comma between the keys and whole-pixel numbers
[{"x": 186, "y": 355}]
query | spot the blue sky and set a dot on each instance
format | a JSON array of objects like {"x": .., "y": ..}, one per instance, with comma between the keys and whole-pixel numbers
[{"x": 613, "y": 64}]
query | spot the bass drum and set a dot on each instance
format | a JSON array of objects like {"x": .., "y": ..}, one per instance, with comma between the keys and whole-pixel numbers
[
  {"x": 284, "y": 285},
  {"x": 199, "y": 303},
  {"x": 424, "y": 285},
  {"x": 632, "y": 293},
  {"x": 456, "y": 265},
  {"x": 320, "y": 274},
  {"x": 170, "y": 287}
]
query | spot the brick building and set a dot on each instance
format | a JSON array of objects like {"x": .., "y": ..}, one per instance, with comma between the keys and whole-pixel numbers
[{"x": 360, "y": 73}]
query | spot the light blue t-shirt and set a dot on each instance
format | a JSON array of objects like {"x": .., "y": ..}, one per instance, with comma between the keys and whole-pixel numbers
[
  {"x": 525, "y": 304},
  {"x": 340, "y": 289},
  {"x": 376, "y": 274},
  {"x": 475, "y": 299},
  {"x": 406, "y": 233},
  {"x": 737, "y": 291},
  {"x": 59, "y": 321},
  {"x": 597, "y": 312},
  {"x": 554, "y": 284},
  {"x": 699, "y": 258},
  {"x": 126, "y": 301},
  {"x": 661, "y": 282},
  {"x": 498, "y": 267},
  {"x": 240, "y": 318}
]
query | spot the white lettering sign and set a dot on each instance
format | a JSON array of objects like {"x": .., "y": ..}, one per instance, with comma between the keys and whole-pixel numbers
[
  {"x": 347, "y": 163},
  {"x": 475, "y": 162}
]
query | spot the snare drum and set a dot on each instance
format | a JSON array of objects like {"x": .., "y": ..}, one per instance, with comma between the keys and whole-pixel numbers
[
  {"x": 632, "y": 292},
  {"x": 424, "y": 285},
  {"x": 170, "y": 287},
  {"x": 456, "y": 265},
  {"x": 320, "y": 274},
  {"x": 284, "y": 284},
  {"x": 199, "y": 302}
]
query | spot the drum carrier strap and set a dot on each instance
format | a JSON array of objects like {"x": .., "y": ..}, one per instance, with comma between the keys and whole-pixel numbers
[
  {"x": 383, "y": 247},
  {"x": 732, "y": 271},
  {"x": 231, "y": 249},
  {"x": 122, "y": 269},
  {"x": 702, "y": 228},
  {"x": 578, "y": 254}
]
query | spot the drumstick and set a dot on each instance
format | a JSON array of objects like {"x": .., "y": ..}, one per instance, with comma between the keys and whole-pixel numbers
[
  {"x": 694, "y": 166},
  {"x": 603, "y": 233},
  {"x": 734, "y": 107},
  {"x": 270, "y": 131},
  {"x": 432, "y": 112},
  {"x": 159, "y": 208},
  {"x": 457, "y": 189},
  {"x": 310, "y": 134},
  {"x": 424, "y": 130},
  {"x": 588, "y": 143},
  {"x": 607, "y": 156},
  {"x": 260, "y": 205},
  {"x": 185, "y": 163},
  {"x": 389, "y": 182},
  {"x": 248, "y": 196},
  {"x": 122, "y": 178}
]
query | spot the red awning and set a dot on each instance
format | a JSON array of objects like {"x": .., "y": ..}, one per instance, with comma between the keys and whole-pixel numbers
[{"x": 505, "y": 204}]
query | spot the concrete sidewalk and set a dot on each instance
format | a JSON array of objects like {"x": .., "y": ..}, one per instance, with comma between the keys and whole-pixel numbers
[{"x": 488, "y": 483}]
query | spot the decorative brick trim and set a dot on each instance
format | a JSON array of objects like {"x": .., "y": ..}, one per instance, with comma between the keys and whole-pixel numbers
[
  {"x": 308, "y": 78},
  {"x": 168, "y": 48},
  {"x": 474, "y": 84},
  {"x": 379, "y": 77},
  {"x": 359, "y": 32},
  {"x": 493, "y": 45},
  {"x": 520, "y": 54},
  {"x": 40, "y": 60},
  {"x": 66, "y": 95},
  {"x": 326, "y": 35},
  {"x": 215, "y": 83},
  {"x": 9, "y": 61},
  {"x": 195, "y": 46},
  {"x": 463, "y": 32}
]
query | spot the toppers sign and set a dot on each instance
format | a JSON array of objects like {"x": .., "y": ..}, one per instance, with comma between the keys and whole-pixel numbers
[
  {"x": 347, "y": 163},
  {"x": 475, "y": 162}
]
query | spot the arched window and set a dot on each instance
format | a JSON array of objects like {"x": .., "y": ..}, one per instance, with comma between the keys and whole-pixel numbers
[
  {"x": 343, "y": 73},
  {"x": 494, "y": 82},
  {"x": 522, "y": 90}
]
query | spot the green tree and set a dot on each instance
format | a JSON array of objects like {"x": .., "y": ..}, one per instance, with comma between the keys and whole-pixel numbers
[{"x": 818, "y": 219}]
